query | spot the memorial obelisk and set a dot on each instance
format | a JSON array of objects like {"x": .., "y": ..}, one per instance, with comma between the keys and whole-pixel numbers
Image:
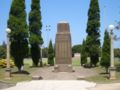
[{"x": 63, "y": 48}]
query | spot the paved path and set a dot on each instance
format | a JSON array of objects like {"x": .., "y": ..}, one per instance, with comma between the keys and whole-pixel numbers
[
  {"x": 62, "y": 81},
  {"x": 47, "y": 73},
  {"x": 63, "y": 85},
  {"x": 53, "y": 85},
  {"x": 113, "y": 86}
]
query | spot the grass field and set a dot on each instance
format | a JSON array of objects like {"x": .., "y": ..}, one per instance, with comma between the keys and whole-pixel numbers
[
  {"x": 75, "y": 61},
  {"x": 27, "y": 67},
  {"x": 102, "y": 77},
  {"x": 99, "y": 78}
]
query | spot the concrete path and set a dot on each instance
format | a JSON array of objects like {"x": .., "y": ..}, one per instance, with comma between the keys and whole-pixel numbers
[
  {"x": 112, "y": 86},
  {"x": 63, "y": 85},
  {"x": 47, "y": 73},
  {"x": 53, "y": 85}
]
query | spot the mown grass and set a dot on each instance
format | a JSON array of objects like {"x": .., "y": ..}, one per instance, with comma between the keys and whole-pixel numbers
[
  {"x": 17, "y": 77},
  {"x": 27, "y": 67},
  {"x": 75, "y": 61},
  {"x": 102, "y": 77}
]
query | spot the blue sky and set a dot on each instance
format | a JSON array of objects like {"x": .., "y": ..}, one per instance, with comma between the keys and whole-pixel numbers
[{"x": 73, "y": 11}]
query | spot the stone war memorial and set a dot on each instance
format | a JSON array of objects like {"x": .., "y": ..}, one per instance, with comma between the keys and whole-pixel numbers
[{"x": 63, "y": 50}]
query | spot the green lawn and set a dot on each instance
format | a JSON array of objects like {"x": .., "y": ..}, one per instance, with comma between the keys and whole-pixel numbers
[
  {"x": 27, "y": 67},
  {"x": 17, "y": 77},
  {"x": 99, "y": 78},
  {"x": 75, "y": 61},
  {"x": 104, "y": 78}
]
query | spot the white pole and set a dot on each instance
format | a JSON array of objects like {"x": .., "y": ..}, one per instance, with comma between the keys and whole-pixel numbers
[
  {"x": 8, "y": 69},
  {"x": 112, "y": 49}
]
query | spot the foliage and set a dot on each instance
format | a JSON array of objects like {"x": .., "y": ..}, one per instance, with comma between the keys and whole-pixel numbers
[
  {"x": 83, "y": 54},
  {"x": 50, "y": 54},
  {"x": 93, "y": 31},
  {"x": 117, "y": 52},
  {"x": 3, "y": 51},
  {"x": 105, "y": 59},
  {"x": 3, "y": 63},
  {"x": 35, "y": 52},
  {"x": 45, "y": 52},
  {"x": 76, "y": 48},
  {"x": 35, "y": 26},
  {"x": 19, "y": 32}
]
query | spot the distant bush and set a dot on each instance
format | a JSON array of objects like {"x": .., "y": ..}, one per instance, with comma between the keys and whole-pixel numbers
[
  {"x": 2, "y": 51},
  {"x": 3, "y": 63}
]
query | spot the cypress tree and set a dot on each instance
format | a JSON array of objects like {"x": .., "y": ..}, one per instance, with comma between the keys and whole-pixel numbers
[
  {"x": 83, "y": 54},
  {"x": 19, "y": 32},
  {"x": 35, "y": 26},
  {"x": 50, "y": 54},
  {"x": 93, "y": 32},
  {"x": 105, "y": 59}
]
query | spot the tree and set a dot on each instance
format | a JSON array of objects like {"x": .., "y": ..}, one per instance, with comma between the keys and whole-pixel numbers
[
  {"x": 83, "y": 54},
  {"x": 50, "y": 54},
  {"x": 45, "y": 52},
  {"x": 93, "y": 32},
  {"x": 35, "y": 26},
  {"x": 76, "y": 49},
  {"x": 105, "y": 59},
  {"x": 19, "y": 32},
  {"x": 3, "y": 51},
  {"x": 117, "y": 52}
]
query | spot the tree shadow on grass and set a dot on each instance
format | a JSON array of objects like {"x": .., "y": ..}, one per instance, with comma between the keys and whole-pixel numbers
[
  {"x": 21, "y": 72},
  {"x": 105, "y": 75}
]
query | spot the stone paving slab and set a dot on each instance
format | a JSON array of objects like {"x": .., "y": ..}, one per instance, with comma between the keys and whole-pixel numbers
[
  {"x": 54, "y": 85},
  {"x": 112, "y": 86}
]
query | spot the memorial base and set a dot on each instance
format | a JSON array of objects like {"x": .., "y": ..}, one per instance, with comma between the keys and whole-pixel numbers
[
  {"x": 63, "y": 68},
  {"x": 8, "y": 73}
]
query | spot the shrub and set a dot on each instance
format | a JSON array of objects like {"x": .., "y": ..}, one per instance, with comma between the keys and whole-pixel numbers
[
  {"x": 51, "y": 54},
  {"x": 3, "y": 63}
]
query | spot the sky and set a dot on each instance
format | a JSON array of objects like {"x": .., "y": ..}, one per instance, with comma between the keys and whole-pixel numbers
[{"x": 73, "y": 11}]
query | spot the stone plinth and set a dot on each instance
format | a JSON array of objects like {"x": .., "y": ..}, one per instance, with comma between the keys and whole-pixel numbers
[
  {"x": 112, "y": 74},
  {"x": 8, "y": 73},
  {"x": 37, "y": 78},
  {"x": 63, "y": 51}
]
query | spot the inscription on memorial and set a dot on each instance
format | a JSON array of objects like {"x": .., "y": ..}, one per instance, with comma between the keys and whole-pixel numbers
[{"x": 63, "y": 51}]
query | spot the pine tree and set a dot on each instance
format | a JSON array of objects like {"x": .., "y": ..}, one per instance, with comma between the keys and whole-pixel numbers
[
  {"x": 19, "y": 32},
  {"x": 105, "y": 59},
  {"x": 93, "y": 31},
  {"x": 83, "y": 54},
  {"x": 35, "y": 26},
  {"x": 50, "y": 54}
]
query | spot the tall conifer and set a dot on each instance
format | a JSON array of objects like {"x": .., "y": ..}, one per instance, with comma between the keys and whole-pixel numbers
[
  {"x": 105, "y": 59},
  {"x": 50, "y": 54},
  {"x": 35, "y": 26},
  {"x": 93, "y": 32},
  {"x": 19, "y": 32}
]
